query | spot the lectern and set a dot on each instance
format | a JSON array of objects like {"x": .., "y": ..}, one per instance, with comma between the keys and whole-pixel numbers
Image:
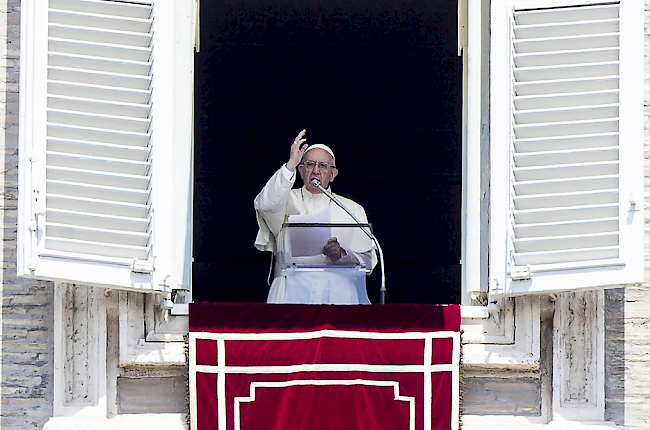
[{"x": 301, "y": 261}]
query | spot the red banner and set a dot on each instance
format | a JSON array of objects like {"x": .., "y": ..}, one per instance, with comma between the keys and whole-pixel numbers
[{"x": 291, "y": 367}]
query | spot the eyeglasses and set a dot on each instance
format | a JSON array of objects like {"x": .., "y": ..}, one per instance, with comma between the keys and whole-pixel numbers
[{"x": 321, "y": 165}]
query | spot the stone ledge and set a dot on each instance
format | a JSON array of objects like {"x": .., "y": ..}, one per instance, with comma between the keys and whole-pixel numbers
[
  {"x": 155, "y": 353},
  {"x": 120, "y": 422},
  {"x": 505, "y": 422}
]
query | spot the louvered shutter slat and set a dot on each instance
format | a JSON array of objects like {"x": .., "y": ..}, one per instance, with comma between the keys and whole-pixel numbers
[
  {"x": 566, "y": 100},
  {"x": 569, "y": 28},
  {"x": 566, "y": 228},
  {"x": 571, "y": 156},
  {"x": 566, "y": 85},
  {"x": 90, "y": 35},
  {"x": 559, "y": 143},
  {"x": 105, "y": 206},
  {"x": 85, "y": 219},
  {"x": 552, "y": 171},
  {"x": 66, "y": 131},
  {"x": 577, "y": 56},
  {"x": 565, "y": 185},
  {"x": 100, "y": 192},
  {"x": 566, "y": 199},
  {"x": 567, "y": 43},
  {"x": 114, "y": 165},
  {"x": 577, "y": 213},
  {"x": 91, "y": 106},
  {"x": 91, "y": 62},
  {"x": 99, "y": 235},
  {"x": 82, "y": 248},
  {"x": 82, "y": 147},
  {"x": 556, "y": 114},
  {"x": 568, "y": 258},
  {"x": 99, "y": 78},
  {"x": 103, "y": 21},
  {"x": 121, "y": 123},
  {"x": 559, "y": 72},
  {"x": 568, "y": 128},
  {"x": 136, "y": 10},
  {"x": 118, "y": 52},
  {"x": 96, "y": 177},
  {"x": 569, "y": 14},
  {"x": 573, "y": 241},
  {"x": 98, "y": 92}
]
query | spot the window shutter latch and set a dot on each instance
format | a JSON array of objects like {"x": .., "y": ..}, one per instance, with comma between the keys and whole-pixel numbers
[
  {"x": 38, "y": 199},
  {"x": 633, "y": 205},
  {"x": 142, "y": 266},
  {"x": 520, "y": 273}
]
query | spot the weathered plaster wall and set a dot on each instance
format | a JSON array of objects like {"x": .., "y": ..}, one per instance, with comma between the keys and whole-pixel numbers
[{"x": 26, "y": 313}]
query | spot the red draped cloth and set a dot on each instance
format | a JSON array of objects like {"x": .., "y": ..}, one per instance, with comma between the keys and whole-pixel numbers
[{"x": 322, "y": 367}]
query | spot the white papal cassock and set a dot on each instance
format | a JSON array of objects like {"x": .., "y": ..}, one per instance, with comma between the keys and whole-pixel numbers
[{"x": 273, "y": 205}]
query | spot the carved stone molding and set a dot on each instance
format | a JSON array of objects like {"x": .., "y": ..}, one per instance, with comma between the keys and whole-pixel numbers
[
  {"x": 510, "y": 340},
  {"x": 578, "y": 356},
  {"x": 79, "y": 350}
]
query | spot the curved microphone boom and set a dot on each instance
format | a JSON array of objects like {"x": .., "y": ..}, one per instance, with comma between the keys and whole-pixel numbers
[{"x": 382, "y": 291}]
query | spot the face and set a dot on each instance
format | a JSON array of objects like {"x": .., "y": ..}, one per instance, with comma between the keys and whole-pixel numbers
[{"x": 325, "y": 176}]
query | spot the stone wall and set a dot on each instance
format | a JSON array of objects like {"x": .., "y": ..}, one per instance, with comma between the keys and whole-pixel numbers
[{"x": 26, "y": 313}]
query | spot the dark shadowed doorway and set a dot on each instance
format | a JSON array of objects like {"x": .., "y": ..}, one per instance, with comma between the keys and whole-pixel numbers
[{"x": 380, "y": 82}]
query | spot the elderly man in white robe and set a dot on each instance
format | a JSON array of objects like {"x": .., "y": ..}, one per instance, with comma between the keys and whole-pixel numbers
[{"x": 277, "y": 201}]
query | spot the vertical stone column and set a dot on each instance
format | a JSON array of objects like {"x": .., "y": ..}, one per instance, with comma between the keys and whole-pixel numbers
[
  {"x": 578, "y": 356},
  {"x": 80, "y": 351}
]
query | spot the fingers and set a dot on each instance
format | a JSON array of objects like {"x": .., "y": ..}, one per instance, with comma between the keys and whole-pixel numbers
[
  {"x": 299, "y": 140},
  {"x": 332, "y": 249},
  {"x": 298, "y": 148},
  {"x": 300, "y": 135}
]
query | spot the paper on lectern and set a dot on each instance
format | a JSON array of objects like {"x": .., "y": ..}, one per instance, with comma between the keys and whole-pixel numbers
[{"x": 308, "y": 241}]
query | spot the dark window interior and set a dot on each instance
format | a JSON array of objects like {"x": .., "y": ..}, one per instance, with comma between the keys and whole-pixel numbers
[{"x": 380, "y": 82}]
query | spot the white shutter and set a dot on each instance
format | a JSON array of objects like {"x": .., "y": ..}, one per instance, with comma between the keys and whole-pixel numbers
[
  {"x": 98, "y": 141},
  {"x": 87, "y": 128},
  {"x": 565, "y": 146}
]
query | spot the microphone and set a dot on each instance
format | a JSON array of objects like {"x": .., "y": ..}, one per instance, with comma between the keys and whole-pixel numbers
[{"x": 382, "y": 291}]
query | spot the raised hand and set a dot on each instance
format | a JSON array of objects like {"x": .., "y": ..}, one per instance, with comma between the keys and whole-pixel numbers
[{"x": 297, "y": 150}]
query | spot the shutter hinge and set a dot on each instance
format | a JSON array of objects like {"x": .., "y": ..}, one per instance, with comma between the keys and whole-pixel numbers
[
  {"x": 519, "y": 273},
  {"x": 142, "y": 266}
]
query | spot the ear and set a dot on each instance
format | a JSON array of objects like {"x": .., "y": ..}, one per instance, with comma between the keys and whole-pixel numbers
[
  {"x": 301, "y": 170},
  {"x": 335, "y": 172}
]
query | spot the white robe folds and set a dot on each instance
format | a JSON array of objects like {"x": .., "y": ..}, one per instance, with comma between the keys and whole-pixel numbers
[{"x": 274, "y": 204}]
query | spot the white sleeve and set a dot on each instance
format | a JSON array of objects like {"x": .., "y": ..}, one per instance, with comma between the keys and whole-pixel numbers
[
  {"x": 270, "y": 207},
  {"x": 288, "y": 174},
  {"x": 275, "y": 194}
]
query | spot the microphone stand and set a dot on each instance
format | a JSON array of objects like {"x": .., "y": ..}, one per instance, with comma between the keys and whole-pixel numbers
[{"x": 382, "y": 290}]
